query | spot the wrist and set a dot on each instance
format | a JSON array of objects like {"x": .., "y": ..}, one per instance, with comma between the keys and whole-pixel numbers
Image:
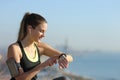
[
  {"x": 44, "y": 64},
  {"x": 62, "y": 55}
]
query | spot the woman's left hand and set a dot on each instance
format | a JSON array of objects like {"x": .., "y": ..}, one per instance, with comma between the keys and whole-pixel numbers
[{"x": 63, "y": 62}]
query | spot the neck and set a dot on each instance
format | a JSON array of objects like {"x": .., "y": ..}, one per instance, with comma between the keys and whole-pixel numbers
[{"x": 27, "y": 42}]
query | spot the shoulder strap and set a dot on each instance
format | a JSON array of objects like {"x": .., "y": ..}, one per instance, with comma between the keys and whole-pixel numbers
[
  {"x": 37, "y": 50},
  {"x": 21, "y": 47}
]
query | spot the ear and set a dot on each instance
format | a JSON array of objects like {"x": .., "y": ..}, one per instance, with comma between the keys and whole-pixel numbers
[{"x": 29, "y": 28}]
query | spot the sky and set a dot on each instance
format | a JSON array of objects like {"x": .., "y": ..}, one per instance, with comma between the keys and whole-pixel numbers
[{"x": 85, "y": 24}]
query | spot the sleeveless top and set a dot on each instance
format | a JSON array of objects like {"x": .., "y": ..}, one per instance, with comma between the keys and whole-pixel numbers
[{"x": 25, "y": 63}]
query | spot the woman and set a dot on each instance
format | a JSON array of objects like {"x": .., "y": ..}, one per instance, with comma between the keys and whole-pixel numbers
[{"x": 28, "y": 48}]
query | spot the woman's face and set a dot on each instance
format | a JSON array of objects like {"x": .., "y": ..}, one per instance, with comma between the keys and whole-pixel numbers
[{"x": 39, "y": 32}]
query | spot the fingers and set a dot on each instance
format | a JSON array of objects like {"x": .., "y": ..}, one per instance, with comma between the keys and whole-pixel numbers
[
  {"x": 63, "y": 63},
  {"x": 52, "y": 60},
  {"x": 51, "y": 63}
]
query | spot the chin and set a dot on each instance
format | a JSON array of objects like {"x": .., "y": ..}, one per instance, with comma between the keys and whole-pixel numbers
[{"x": 38, "y": 41}]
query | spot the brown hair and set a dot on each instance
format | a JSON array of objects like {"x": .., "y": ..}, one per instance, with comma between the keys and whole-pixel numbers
[{"x": 29, "y": 19}]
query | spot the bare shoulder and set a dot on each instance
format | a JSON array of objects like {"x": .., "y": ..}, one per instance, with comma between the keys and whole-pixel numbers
[
  {"x": 13, "y": 46},
  {"x": 14, "y": 51}
]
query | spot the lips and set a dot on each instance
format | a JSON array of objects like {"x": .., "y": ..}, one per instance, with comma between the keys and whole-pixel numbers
[{"x": 40, "y": 37}]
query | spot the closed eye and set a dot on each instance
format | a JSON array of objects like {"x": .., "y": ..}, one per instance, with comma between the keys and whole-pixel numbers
[{"x": 42, "y": 31}]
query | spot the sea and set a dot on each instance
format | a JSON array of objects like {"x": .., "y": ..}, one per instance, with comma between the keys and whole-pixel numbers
[{"x": 97, "y": 65}]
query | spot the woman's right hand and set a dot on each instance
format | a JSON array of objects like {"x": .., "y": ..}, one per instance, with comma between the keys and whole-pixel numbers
[{"x": 51, "y": 61}]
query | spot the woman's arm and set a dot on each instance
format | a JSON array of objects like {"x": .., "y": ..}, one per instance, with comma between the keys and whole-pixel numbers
[
  {"x": 15, "y": 52},
  {"x": 50, "y": 51},
  {"x": 30, "y": 74},
  {"x": 47, "y": 50}
]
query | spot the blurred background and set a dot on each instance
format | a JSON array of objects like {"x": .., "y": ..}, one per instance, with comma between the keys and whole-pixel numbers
[{"x": 89, "y": 30}]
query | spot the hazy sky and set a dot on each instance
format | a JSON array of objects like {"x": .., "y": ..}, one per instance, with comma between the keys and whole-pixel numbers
[{"x": 87, "y": 24}]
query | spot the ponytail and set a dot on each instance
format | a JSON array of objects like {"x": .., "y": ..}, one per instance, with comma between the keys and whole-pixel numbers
[{"x": 22, "y": 33}]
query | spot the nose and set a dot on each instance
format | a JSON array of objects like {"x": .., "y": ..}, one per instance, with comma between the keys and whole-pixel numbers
[{"x": 43, "y": 34}]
